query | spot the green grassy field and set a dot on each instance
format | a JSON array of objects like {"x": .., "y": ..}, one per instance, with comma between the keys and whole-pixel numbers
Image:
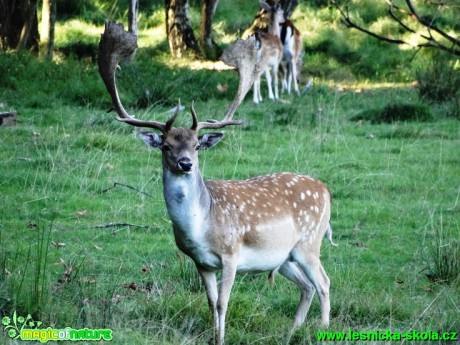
[{"x": 80, "y": 249}]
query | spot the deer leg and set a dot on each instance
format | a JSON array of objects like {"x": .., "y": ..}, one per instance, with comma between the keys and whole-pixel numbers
[
  {"x": 268, "y": 76},
  {"x": 228, "y": 278},
  {"x": 294, "y": 77},
  {"x": 315, "y": 273},
  {"x": 292, "y": 271},
  {"x": 210, "y": 284},
  {"x": 290, "y": 75},
  {"x": 284, "y": 71},
  {"x": 256, "y": 89},
  {"x": 275, "y": 77},
  {"x": 325, "y": 302}
]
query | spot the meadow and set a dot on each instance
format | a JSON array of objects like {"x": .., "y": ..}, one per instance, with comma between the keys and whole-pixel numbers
[{"x": 85, "y": 240}]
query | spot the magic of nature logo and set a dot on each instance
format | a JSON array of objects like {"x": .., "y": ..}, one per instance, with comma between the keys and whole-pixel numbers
[{"x": 26, "y": 329}]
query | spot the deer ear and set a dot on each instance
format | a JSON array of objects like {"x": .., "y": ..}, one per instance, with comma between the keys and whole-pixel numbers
[
  {"x": 208, "y": 140},
  {"x": 152, "y": 139}
]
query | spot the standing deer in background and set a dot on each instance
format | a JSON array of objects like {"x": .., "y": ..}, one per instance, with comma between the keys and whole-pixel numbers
[
  {"x": 291, "y": 41},
  {"x": 292, "y": 56},
  {"x": 268, "y": 223},
  {"x": 269, "y": 55}
]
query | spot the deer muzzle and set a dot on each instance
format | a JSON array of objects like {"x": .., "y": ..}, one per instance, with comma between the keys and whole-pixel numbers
[{"x": 185, "y": 165}]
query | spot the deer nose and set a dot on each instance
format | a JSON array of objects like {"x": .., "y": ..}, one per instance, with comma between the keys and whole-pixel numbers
[{"x": 185, "y": 164}]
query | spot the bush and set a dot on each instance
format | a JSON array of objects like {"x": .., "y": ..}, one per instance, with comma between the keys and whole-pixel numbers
[
  {"x": 395, "y": 112},
  {"x": 455, "y": 107},
  {"x": 440, "y": 81},
  {"x": 443, "y": 259}
]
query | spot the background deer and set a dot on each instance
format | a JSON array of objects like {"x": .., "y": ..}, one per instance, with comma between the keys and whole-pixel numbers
[
  {"x": 265, "y": 224},
  {"x": 292, "y": 56},
  {"x": 291, "y": 41},
  {"x": 269, "y": 55}
]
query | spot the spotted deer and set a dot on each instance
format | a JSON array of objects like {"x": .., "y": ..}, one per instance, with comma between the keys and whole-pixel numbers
[
  {"x": 269, "y": 55},
  {"x": 292, "y": 56},
  {"x": 271, "y": 223},
  {"x": 291, "y": 42}
]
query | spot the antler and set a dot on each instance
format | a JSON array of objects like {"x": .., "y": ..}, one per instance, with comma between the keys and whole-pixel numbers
[
  {"x": 243, "y": 55},
  {"x": 115, "y": 44}
]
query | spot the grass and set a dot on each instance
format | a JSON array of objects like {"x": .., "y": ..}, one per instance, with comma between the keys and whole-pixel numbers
[
  {"x": 77, "y": 250},
  {"x": 388, "y": 180}
]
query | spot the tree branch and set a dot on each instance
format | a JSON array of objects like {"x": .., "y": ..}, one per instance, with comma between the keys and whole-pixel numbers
[
  {"x": 430, "y": 26},
  {"x": 391, "y": 6},
  {"x": 431, "y": 41},
  {"x": 350, "y": 24}
]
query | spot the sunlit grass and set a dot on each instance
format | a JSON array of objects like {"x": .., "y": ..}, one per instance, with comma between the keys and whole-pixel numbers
[
  {"x": 152, "y": 37},
  {"x": 331, "y": 50},
  {"x": 75, "y": 30},
  {"x": 221, "y": 34},
  {"x": 384, "y": 26}
]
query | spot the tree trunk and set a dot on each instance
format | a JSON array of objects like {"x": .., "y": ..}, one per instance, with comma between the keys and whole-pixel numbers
[
  {"x": 178, "y": 29},
  {"x": 18, "y": 24},
  {"x": 47, "y": 29},
  {"x": 210, "y": 49},
  {"x": 289, "y": 6},
  {"x": 133, "y": 13},
  {"x": 5, "y": 17},
  {"x": 29, "y": 36}
]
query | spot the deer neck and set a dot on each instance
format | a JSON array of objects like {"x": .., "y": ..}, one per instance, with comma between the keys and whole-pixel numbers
[
  {"x": 188, "y": 201},
  {"x": 274, "y": 27},
  {"x": 189, "y": 206}
]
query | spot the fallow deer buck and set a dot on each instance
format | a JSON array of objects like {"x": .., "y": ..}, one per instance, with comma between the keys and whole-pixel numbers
[{"x": 265, "y": 224}]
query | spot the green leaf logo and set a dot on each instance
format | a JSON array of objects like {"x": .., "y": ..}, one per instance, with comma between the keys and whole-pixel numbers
[
  {"x": 6, "y": 321},
  {"x": 12, "y": 333},
  {"x": 15, "y": 324}
]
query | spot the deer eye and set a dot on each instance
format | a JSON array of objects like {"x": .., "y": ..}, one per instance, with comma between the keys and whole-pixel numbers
[
  {"x": 166, "y": 148},
  {"x": 197, "y": 147}
]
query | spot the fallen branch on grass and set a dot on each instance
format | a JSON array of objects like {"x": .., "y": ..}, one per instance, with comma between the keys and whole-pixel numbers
[
  {"x": 115, "y": 184},
  {"x": 119, "y": 225}
]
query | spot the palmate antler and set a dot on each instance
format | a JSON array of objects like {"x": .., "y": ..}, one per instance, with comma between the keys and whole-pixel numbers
[{"x": 116, "y": 43}]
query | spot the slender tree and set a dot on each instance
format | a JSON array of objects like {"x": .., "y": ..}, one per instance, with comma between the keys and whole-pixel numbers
[
  {"x": 208, "y": 46},
  {"x": 178, "y": 28},
  {"x": 133, "y": 13},
  {"x": 47, "y": 29},
  {"x": 18, "y": 24}
]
